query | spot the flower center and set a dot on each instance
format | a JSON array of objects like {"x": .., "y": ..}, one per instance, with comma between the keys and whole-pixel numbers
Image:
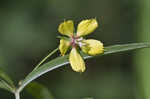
[{"x": 76, "y": 41}]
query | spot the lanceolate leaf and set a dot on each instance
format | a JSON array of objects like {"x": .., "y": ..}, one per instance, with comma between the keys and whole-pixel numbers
[
  {"x": 63, "y": 60},
  {"x": 6, "y": 78},
  {"x": 6, "y": 86},
  {"x": 39, "y": 91},
  {"x": 6, "y": 82}
]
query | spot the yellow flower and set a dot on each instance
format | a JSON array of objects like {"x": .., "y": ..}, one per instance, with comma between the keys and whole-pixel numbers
[{"x": 76, "y": 40}]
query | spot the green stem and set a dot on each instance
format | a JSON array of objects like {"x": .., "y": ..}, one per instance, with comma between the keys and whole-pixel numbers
[
  {"x": 43, "y": 60},
  {"x": 37, "y": 66},
  {"x": 17, "y": 95}
]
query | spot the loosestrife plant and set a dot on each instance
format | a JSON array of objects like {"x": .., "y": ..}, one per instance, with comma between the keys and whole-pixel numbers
[{"x": 71, "y": 40}]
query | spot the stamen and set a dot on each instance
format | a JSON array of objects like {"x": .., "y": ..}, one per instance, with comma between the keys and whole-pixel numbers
[
  {"x": 73, "y": 41},
  {"x": 81, "y": 44},
  {"x": 80, "y": 39},
  {"x": 77, "y": 41}
]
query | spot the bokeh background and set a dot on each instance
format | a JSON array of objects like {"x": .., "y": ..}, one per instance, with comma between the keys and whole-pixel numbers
[{"x": 28, "y": 31}]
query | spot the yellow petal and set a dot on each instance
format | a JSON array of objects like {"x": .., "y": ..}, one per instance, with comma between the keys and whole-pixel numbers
[
  {"x": 85, "y": 27},
  {"x": 76, "y": 61},
  {"x": 63, "y": 46},
  {"x": 92, "y": 47},
  {"x": 66, "y": 28}
]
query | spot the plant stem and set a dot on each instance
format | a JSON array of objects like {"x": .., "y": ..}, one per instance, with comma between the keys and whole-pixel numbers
[
  {"x": 37, "y": 66},
  {"x": 17, "y": 95},
  {"x": 43, "y": 60}
]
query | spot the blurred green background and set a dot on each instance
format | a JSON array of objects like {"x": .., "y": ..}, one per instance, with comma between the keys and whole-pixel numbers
[{"x": 28, "y": 30}]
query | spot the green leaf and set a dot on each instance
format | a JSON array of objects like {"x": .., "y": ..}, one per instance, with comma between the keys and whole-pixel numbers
[
  {"x": 63, "y": 60},
  {"x": 6, "y": 82},
  {"x": 6, "y": 86},
  {"x": 38, "y": 91},
  {"x": 6, "y": 78}
]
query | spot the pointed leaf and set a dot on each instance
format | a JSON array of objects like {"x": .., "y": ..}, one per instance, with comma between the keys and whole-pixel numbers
[
  {"x": 6, "y": 82},
  {"x": 6, "y": 78},
  {"x": 63, "y": 60},
  {"x": 38, "y": 91},
  {"x": 6, "y": 86}
]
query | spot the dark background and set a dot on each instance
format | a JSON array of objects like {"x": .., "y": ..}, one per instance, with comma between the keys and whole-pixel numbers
[{"x": 28, "y": 31}]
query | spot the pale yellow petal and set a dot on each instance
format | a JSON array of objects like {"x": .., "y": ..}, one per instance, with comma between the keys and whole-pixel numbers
[
  {"x": 66, "y": 28},
  {"x": 92, "y": 47},
  {"x": 86, "y": 27},
  {"x": 63, "y": 46},
  {"x": 76, "y": 61}
]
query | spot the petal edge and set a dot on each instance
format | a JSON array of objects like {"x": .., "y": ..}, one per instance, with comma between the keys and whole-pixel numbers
[
  {"x": 66, "y": 28},
  {"x": 63, "y": 46},
  {"x": 76, "y": 61},
  {"x": 92, "y": 47},
  {"x": 86, "y": 27}
]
